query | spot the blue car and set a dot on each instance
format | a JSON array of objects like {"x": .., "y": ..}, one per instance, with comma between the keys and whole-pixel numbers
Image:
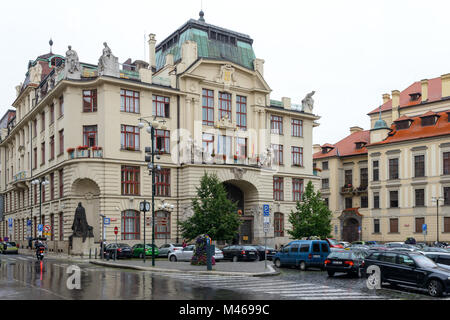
[{"x": 303, "y": 254}]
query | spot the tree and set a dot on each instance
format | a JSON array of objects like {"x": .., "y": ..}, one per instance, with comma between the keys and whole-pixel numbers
[
  {"x": 214, "y": 214},
  {"x": 311, "y": 216}
]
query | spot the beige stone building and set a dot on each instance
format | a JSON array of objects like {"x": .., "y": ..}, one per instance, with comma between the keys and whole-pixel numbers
[{"x": 76, "y": 126}]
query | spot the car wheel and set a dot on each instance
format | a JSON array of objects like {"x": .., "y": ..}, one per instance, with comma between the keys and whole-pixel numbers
[
  {"x": 330, "y": 273},
  {"x": 277, "y": 263},
  {"x": 173, "y": 258},
  {"x": 302, "y": 265},
  {"x": 235, "y": 259},
  {"x": 435, "y": 288}
]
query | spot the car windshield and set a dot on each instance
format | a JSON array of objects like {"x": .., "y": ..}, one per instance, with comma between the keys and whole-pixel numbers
[
  {"x": 248, "y": 248},
  {"x": 149, "y": 246},
  {"x": 12, "y": 244},
  {"x": 333, "y": 242},
  {"x": 424, "y": 262},
  {"x": 340, "y": 255}
]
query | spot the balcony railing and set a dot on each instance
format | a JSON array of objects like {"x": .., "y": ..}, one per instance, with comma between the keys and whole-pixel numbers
[
  {"x": 20, "y": 176},
  {"x": 347, "y": 189},
  {"x": 85, "y": 152}
]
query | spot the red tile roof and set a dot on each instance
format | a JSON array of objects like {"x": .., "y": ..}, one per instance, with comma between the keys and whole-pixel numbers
[
  {"x": 416, "y": 131},
  {"x": 347, "y": 146},
  {"x": 434, "y": 94}
]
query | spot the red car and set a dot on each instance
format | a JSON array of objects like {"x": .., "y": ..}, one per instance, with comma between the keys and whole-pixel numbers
[{"x": 334, "y": 244}]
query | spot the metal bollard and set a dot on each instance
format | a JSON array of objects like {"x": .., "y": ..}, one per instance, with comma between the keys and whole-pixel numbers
[
  {"x": 95, "y": 253},
  {"x": 89, "y": 253}
]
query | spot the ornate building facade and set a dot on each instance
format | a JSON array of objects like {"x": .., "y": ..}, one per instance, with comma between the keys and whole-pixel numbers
[{"x": 77, "y": 128}]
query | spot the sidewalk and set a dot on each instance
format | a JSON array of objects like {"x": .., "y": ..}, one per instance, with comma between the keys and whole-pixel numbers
[
  {"x": 52, "y": 255},
  {"x": 250, "y": 269}
]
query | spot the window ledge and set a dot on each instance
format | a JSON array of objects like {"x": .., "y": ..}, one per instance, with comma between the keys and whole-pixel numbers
[{"x": 131, "y": 150}]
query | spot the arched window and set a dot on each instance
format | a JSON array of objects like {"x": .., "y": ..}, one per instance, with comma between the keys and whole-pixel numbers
[
  {"x": 130, "y": 225},
  {"x": 279, "y": 224},
  {"x": 162, "y": 225}
]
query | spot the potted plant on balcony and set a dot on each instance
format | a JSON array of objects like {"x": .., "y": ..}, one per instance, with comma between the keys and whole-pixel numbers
[
  {"x": 235, "y": 158},
  {"x": 83, "y": 151},
  {"x": 97, "y": 151},
  {"x": 224, "y": 158},
  {"x": 71, "y": 152}
]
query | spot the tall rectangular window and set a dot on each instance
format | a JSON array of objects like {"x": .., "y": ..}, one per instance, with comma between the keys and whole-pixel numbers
[
  {"x": 61, "y": 184},
  {"x": 208, "y": 107},
  {"x": 278, "y": 154},
  {"x": 61, "y": 106},
  {"x": 35, "y": 154},
  {"x": 61, "y": 141},
  {"x": 393, "y": 198},
  {"x": 129, "y": 101},
  {"x": 297, "y": 156},
  {"x": 276, "y": 124},
  {"x": 162, "y": 141},
  {"x": 90, "y": 136},
  {"x": 419, "y": 223},
  {"x": 161, "y": 106},
  {"x": 325, "y": 183},
  {"x": 34, "y": 128},
  {"x": 52, "y": 186},
  {"x": 375, "y": 171},
  {"x": 446, "y": 162},
  {"x": 162, "y": 183},
  {"x": 348, "y": 180},
  {"x": 419, "y": 166},
  {"x": 224, "y": 105},
  {"x": 52, "y": 147},
  {"x": 224, "y": 146},
  {"x": 241, "y": 147},
  {"x": 364, "y": 177},
  {"x": 364, "y": 202},
  {"x": 446, "y": 224},
  {"x": 297, "y": 128},
  {"x": 376, "y": 200},
  {"x": 42, "y": 121},
  {"x": 241, "y": 112},
  {"x": 129, "y": 137},
  {"x": 208, "y": 143},
  {"x": 42, "y": 153},
  {"x": 297, "y": 189},
  {"x": 393, "y": 169},
  {"x": 376, "y": 225},
  {"x": 61, "y": 227},
  {"x": 278, "y": 189},
  {"x": 393, "y": 225},
  {"x": 447, "y": 195},
  {"x": 130, "y": 180},
  {"x": 52, "y": 113},
  {"x": 348, "y": 203},
  {"x": 324, "y": 165},
  {"x": 90, "y": 100},
  {"x": 420, "y": 197}
]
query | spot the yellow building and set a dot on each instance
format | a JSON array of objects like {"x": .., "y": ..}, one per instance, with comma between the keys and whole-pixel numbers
[{"x": 76, "y": 126}]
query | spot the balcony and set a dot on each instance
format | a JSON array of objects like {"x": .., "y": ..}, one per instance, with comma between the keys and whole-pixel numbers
[
  {"x": 361, "y": 189},
  {"x": 85, "y": 152},
  {"x": 20, "y": 176},
  {"x": 347, "y": 189}
]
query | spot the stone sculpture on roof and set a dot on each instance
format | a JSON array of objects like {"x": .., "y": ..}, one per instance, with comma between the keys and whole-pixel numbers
[
  {"x": 72, "y": 64},
  {"x": 108, "y": 64},
  {"x": 308, "y": 102}
]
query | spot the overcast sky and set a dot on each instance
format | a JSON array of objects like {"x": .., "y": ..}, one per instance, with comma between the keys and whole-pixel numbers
[{"x": 349, "y": 52}]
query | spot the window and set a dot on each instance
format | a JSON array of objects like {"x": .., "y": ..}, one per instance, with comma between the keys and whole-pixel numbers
[
  {"x": 297, "y": 189},
  {"x": 130, "y": 180},
  {"x": 42, "y": 121},
  {"x": 162, "y": 225},
  {"x": 130, "y": 225},
  {"x": 363, "y": 174},
  {"x": 278, "y": 224},
  {"x": 403, "y": 125},
  {"x": 316, "y": 247},
  {"x": 419, "y": 166},
  {"x": 376, "y": 225},
  {"x": 34, "y": 128},
  {"x": 297, "y": 156},
  {"x": 162, "y": 183},
  {"x": 278, "y": 154},
  {"x": 393, "y": 197},
  {"x": 447, "y": 195},
  {"x": 446, "y": 224},
  {"x": 90, "y": 100},
  {"x": 325, "y": 183},
  {"x": 376, "y": 200},
  {"x": 295, "y": 247},
  {"x": 34, "y": 158},
  {"x": 52, "y": 147},
  {"x": 61, "y": 106},
  {"x": 129, "y": 137},
  {"x": 348, "y": 203},
  {"x": 61, "y": 141},
  {"x": 224, "y": 146},
  {"x": 52, "y": 113},
  {"x": 61, "y": 227},
  {"x": 208, "y": 107},
  {"x": 278, "y": 193},
  {"x": 375, "y": 170},
  {"x": 61, "y": 184},
  {"x": 393, "y": 169},
  {"x": 304, "y": 248},
  {"x": 446, "y": 162},
  {"x": 129, "y": 101},
  {"x": 90, "y": 136},
  {"x": 241, "y": 112},
  {"x": 364, "y": 202},
  {"x": 420, "y": 197},
  {"x": 241, "y": 148},
  {"x": 428, "y": 121},
  {"x": 324, "y": 247},
  {"x": 42, "y": 153},
  {"x": 297, "y": 128},
  {"x": 162, "y": 140},
  {"x": 325, "y": 165},
  {"x": 348, "y": 177},
  {"x": 276, "y": 124},
  {"x": 208, "y": 143},
  {"x": 393, "y": 224},
  {"x": 224, "y": 105},
  {"x": 52, "y": 186},
  {"x": 419, "y": 223}
]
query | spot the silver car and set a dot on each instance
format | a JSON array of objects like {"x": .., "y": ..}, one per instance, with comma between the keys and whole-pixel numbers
[
  {"x": 187, "y": 253},
  {"x": 168, "y": 248}
]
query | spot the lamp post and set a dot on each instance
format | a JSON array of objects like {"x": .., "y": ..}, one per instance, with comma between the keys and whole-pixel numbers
[
  {"x": 150, "y": 159},
  {"x": 437, "y": 199},
  {"x": 42, "y": 182}
]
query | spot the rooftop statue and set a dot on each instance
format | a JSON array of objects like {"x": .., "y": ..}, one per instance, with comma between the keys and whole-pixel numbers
[
  {"x": 308, "y": 102},
  {"x": 72, "y": 64},
  {"x": 108, "y": 64}
]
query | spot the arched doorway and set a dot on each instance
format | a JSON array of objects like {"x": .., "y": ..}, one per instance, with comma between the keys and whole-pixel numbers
[
  {"x": 235, "y": 194},
  {"x": 350, "y": 230}
]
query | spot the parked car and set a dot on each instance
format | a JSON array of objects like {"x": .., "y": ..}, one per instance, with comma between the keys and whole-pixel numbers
[
  {"x": 345, "y": 244},
  {"x": 123, "y": 250},
  {"x": 167, "y": 248},
  {"x": 371, "y": 243},
  {"x": 347, "y": 261},
  {"x": 410, "y": 241},
  {"x": 138, "y": 250},
  {"x": 411, "y": 269},
  {"x": 9, "y": 247},
  {"x": 240, "y": 252},
  {"x": 333, "y": 243},
  {"x": 303, "y": 254},
  {"x": 400, "y": 246},
  {"x": 186, "y": 253},
  {"x": 433, "y": 249},
  {"x": 378, "y": 247},
  {"x": 440, "y": 258},
  {"x": 263, "y": 251}
]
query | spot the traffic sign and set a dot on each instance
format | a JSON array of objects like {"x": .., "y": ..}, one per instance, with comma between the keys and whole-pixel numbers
[
  {"x": 266, "y": 230},
  {"x": 40, "y": 227},
  {"x": 10, "y": 222},
  {"x": 266, "y": 210},
  {"x": 266, "y": 219},
  {"x": 424, "y": 227},
  {"x": 266, "y": 224},
  {"x": 29, "y": 223},
  {"x": 116, "y": 230},
  {"x": 359, "y": 229},
  {"x": 107, "y": 221},
  {"x": 46, "y": 228}
]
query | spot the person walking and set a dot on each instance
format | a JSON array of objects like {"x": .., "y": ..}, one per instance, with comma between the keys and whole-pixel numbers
[{"x": 184, "y": 244}]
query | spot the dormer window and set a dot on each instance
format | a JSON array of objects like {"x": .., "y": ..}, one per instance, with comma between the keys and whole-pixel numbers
[
  {"x": 360, "y": 145},
  {"x": 326, "y": 149},
  {"x": 414, "y": 96},
  {"x": 403, "y": 124},
  {"x": 428, "y": 121}
]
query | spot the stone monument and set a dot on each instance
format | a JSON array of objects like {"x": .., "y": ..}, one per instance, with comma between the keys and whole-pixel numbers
[
  {"x": 108, "y": 64},
  {"x": 308, "y": 102},
  {"x": 72, "y": 68},
  {"x": 82, "y": 238}
]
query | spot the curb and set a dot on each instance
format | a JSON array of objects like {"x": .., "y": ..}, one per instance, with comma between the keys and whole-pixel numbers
[
  {"x": 273, "y": 272},
  {"x": 55, "y": 256}
]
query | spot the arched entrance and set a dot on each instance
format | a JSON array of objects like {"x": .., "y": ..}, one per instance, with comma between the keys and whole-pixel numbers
[{"x": 350, "y": 230}]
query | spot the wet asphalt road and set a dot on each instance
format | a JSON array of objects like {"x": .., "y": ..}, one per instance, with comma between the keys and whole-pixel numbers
[{"x": 23, "y": 277}]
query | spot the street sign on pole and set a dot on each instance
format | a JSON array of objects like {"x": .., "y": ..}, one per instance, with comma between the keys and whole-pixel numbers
[
  {"x": 116, "y": 230},
  {"x": 107, "y": 221},
  {"x": 266, "y": 210}
]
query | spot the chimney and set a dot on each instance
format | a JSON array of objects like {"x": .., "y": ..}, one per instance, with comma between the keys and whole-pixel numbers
[
  {"x": 355, "y": 129},
  {"x": 151, "y": 50},
  {"x": 445, "y": 85},
  {"x": 395, "y": 104},
  {"x": 286, "y": 103},
  {"x": 258, "y": 65},
  {"x": 424, "y": 84},
  {"x": 386, "y": 97},
  {"x": 316, "y": 148}
]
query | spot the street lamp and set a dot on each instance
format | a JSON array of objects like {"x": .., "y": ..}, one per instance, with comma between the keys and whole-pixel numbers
[
  {"x": 150, "y": 159},
  {"x": 437, "y": 199},
  {"x": 42, "y": 182}
]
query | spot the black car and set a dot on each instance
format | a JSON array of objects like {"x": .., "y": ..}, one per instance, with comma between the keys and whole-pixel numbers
[
  {"x": 237, "y": 252},
  {"x": 123, "y": 250},
  {"x": 347, "y": 261},
  {"x": 442, "y": 258},
  {"x": 264, "y": 251},
  {"x": 410, "y": 269}
]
